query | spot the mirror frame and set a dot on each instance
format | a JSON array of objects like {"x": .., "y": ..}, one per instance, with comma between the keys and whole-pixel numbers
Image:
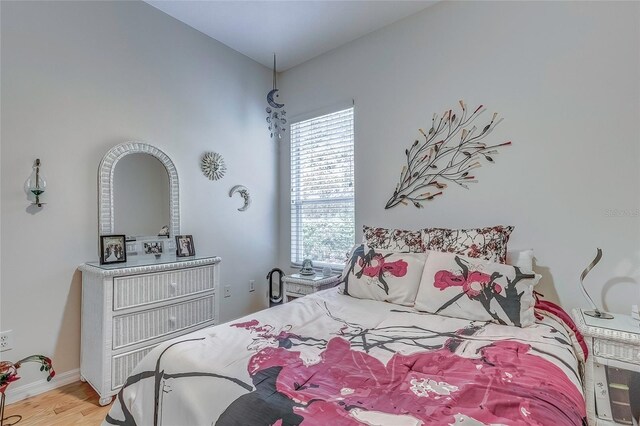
[{"x": 105, "y": 184}]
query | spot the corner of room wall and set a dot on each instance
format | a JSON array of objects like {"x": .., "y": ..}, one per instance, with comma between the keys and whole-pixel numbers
[
  {"x": 80, "y": 77},
  {"x": 563, "y": 76}
]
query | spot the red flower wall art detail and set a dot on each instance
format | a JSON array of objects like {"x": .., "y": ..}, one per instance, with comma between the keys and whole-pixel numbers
[{"x": 447, "y": 153}]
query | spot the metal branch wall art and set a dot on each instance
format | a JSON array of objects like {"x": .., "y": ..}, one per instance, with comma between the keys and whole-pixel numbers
[
  {"x": 276, "y": 113},
  {"x": 445, "y": 154}
]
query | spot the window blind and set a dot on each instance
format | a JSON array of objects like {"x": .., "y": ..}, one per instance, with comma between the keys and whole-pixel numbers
[{"x": 322, "y": 189}]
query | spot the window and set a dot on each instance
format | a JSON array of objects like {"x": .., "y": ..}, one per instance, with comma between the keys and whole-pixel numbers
[{"x": 322, "y": 193}]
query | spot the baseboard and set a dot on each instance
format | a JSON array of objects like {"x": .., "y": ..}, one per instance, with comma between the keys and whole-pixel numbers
[{"x": 18, "y": 393}]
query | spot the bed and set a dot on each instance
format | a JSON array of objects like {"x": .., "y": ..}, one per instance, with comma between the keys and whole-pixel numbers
[{"x": 332, "y": 359}]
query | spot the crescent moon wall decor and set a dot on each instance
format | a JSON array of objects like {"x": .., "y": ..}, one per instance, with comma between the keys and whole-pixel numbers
[
  {"x": 213, "y": 166},
  {"x": 244, "y": 193},
  {"x": 275, "y": 112}
]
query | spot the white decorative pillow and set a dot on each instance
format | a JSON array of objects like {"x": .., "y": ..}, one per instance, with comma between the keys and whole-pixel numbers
[
  {"x": 383, "y": 275},
  {"x": 398, "y": 240},
  {"x": 523, "y": 259},
  {"x": 476, "y": 289}
]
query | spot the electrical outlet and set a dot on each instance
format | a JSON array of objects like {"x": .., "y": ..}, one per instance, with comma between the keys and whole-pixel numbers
[
  {"x": 227, "y": 291},
  {"x": 6, "y": 340},
  {"x": 252, "y": 285}
]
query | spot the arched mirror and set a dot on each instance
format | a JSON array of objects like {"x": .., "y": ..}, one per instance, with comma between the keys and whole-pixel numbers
[{"x": 138, "y": 195}]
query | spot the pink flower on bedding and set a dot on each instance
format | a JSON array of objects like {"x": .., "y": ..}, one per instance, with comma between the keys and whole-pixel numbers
[
  {"x": 397, "y": 268},
  {"x": 473, "y": 285},
  {"x": 446, "y": 279},
  {"x": 372, "y": 269},
  {"x": 378, "y": 266},
  {"x": 507, "y": 384}
]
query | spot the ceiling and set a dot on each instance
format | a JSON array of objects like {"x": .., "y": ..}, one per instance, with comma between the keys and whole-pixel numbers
[{"x": 295, "y": 30}]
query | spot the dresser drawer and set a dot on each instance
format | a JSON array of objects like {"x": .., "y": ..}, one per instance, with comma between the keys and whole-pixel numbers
[
  {"x": 138, "y": 290},
  {"x": 152, "y": 323},
  {"x": 122, "y": 365},
  {"x": 616, "y": 350}
]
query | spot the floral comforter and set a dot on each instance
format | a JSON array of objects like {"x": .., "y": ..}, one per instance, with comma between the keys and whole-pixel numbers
[{"x": 330, "y": 359}]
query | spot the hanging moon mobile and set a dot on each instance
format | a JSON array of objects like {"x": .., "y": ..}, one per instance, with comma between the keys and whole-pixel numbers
[
  {"x": 273, "y": 93},
  {"x": 244, "y": 193}
]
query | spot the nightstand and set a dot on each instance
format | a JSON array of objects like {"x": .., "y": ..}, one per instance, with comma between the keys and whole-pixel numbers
[
  {"x": 297, "y": 285},
  {"x": 612, "y": 367}
]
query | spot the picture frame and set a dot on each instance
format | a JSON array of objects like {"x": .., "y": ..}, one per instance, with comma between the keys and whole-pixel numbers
[
  {"x": 184, "y": 246},
  {"x": 113, "y": 249},
  {"x": 153, "y": 247}
]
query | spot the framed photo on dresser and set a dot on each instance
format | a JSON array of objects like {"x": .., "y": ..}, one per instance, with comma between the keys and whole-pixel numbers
[
  {"x": 153, "y": 247},
  {"x": 184, "y": 246},
  {"x": 113, "y": 249}
]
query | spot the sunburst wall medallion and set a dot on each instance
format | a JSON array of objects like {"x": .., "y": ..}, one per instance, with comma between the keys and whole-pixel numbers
[{"x": 213, "y": 166}]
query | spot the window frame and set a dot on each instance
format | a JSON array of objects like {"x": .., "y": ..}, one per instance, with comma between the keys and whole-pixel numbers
[{"x": 297, "y": 119}]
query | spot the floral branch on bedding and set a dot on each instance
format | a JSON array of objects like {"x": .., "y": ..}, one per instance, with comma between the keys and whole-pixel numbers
[
  {"x": 483, "y": 288},
  {"x": 375, "y": 266},
  {"x": 377, "y": 338},
  {"x": 338, "y": 387},
  {"x": 367, "y": 339}
]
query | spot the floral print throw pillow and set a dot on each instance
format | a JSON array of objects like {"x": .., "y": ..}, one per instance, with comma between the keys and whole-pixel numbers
[
  {"x": 482, "y": 243},
  {"x": 398, "y": 240},
  {"x": 475, "y": 289},
  {"x": 383, "y": 275}
]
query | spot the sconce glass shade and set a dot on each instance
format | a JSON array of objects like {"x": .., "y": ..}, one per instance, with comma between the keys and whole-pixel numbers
[{"x": 36, "y": 183}]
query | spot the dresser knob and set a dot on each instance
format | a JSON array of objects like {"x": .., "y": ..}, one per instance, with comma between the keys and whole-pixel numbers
[
  {"x": 173, "y": 287},
  {"x": 172, "y": 321}
]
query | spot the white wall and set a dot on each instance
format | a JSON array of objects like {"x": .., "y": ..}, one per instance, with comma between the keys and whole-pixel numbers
[
  {"x": 80, "y": 77},
  {"x": 564, "y": 75}
]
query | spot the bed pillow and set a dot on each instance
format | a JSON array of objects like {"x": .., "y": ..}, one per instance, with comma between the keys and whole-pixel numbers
[
  {"x": 383, "y": 275},
  {"x": 398, "y": 240},
  {"x": 482, "y": 243},
  {"x": 475, "y": 289},
  {"x": 521, "y": 258}
]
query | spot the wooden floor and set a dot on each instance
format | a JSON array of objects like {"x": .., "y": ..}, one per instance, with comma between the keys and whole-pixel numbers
[{"x": 74, "y": 404}]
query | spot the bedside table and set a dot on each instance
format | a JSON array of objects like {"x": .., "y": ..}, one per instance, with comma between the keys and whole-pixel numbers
[
  {"x": 613, "y": 364},
  {"x": 297, "y": 285}
]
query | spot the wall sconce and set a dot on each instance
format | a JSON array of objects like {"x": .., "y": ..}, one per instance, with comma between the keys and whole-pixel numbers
[{"x": 36, "y": 183}]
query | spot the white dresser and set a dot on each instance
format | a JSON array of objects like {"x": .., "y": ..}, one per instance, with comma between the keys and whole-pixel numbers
[{"x": 129, "y": 308}]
